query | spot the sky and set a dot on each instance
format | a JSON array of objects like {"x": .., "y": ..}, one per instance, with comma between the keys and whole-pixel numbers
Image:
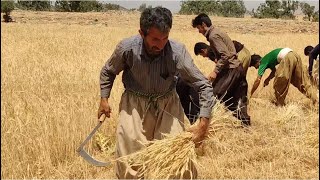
[{"x": 174, "y": 5}]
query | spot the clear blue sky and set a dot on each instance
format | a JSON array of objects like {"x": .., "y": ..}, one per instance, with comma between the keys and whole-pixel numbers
[{"x": 174, "y": 5}]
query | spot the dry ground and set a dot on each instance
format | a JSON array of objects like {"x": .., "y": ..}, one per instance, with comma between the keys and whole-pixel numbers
[{"x": 50, "y": 64}]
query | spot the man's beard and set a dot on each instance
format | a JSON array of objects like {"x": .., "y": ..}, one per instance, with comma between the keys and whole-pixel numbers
[{"x": 153, "y": 51}]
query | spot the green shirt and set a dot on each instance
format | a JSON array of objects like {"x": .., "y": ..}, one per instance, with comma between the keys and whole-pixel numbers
[{"x": 269, "y": 61}]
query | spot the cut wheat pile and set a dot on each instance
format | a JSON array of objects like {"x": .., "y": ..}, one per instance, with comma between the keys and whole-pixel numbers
[{"x": 175, "y": 156}]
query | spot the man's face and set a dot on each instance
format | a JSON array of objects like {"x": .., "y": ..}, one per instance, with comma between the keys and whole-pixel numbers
[
  {"x": 202, "y": 28},
  {"x": 154, "y": 41},
  {"x": 257, "y": 65},
  {"x": 204, "y": 53}
]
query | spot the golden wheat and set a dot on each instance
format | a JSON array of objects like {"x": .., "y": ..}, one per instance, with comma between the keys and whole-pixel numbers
[{"x": 50, "y": 65}]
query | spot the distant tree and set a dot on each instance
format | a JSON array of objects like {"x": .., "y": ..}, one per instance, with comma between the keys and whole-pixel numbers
[
  {"x": 276, "y": 9},
  {"x": 307, "y": 10},
  {"x": 35, "y": 5},
  {"x": 67, "y": 6},
  {"x": 63, "y": 6},
  {"x": 86, "y": 6},
  {"x": 315, "y": 16},
  {"x": 110, "y": 6},
  {"x": 190, "y": 7},
  {"x": 75, "y": 6},
  {"x": 288, "y": 8},
  {"x": 233, "y": 8},
  {"x": 7, "y": 7},
  {"x": 78, "y": 6},
  {"x": 142, "y": 7}
]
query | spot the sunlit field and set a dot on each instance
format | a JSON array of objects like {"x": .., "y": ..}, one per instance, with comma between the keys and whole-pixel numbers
[{"x": 50, "y": 94}]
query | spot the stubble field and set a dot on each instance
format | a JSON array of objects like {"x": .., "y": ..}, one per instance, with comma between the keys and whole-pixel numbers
[{"x": 50, "y": 65}]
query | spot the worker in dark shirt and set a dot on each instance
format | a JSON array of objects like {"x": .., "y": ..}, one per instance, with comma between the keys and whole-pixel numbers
[
  {"x": 189, "y": 99},
  {"x": 313, "y": 68}
]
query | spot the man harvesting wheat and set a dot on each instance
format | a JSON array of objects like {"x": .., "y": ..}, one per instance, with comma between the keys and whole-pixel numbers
[
  {"x": 150, "y": 105},
  {"x": 289, "y": 71},
  {"x": 228, "y": 77}
]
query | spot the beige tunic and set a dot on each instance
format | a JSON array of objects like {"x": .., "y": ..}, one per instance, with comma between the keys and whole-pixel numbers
[{"x": 291, "y": 70}]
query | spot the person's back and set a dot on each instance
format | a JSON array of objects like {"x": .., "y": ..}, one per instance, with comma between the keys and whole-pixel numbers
[
  {"x": 243, "y": 54},
  {"x": 229, "y": 55}
]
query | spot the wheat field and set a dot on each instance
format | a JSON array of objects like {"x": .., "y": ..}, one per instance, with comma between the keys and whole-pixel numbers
[{"x": 50, "y": 66}]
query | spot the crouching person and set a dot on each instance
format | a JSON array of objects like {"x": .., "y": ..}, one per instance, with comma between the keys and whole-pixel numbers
[{"x": 289, "y": 71}]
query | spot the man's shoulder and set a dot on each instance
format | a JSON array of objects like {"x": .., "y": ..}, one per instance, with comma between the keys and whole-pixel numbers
[
  {"x": 176, "y": 46},
  {"x": 131, "y": 42},
  {"x": 216, "y": 33}
]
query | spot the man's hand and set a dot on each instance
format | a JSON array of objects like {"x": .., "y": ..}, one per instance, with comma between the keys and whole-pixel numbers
[
  {"x": 212, "y": 76},
  {"x": 104, "y": 108},
  {"x": 200, "y": 131}
]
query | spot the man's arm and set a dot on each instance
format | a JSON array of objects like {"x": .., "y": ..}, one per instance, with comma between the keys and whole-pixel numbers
[
  {"x": 272, "y": 74},
  {"x": 255, "y": 85},
  {"x": 113, "y": 67},
  {"x": 190, "y": 74},
  {"x": 310, "y": 65}
]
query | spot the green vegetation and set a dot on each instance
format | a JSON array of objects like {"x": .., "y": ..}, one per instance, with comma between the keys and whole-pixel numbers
[
  {"x": 234, "y": 8},
  {"x": 309, "y": 13},
  {"x": 276, "y": 9},
  {"x": 284, "y": 9},
  {"x": 6, "y": 8}
]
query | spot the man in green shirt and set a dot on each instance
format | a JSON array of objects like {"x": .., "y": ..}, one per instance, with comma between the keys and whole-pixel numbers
[{"x": 290, "y": 70}]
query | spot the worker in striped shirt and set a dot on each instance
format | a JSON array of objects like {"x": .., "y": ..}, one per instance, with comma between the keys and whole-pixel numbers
[
  {"x": 150, "y": 106},
  {"x": 290, "y": 70}
]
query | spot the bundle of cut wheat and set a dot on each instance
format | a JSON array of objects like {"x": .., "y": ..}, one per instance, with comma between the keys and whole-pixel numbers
[{"x": 174, "y": 156}]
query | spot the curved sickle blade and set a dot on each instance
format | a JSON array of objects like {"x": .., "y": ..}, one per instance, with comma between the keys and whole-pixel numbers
[
  {"x": 84, "y": 154},
  {"x": 92, "y": 161}
]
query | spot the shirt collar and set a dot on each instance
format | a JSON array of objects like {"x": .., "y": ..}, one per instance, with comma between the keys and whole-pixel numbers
[{"x": 208, "y": 32}]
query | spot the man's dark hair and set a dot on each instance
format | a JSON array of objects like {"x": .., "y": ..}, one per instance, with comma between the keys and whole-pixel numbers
[
  {"x": 158, "y": 17},
  {"x": 307, "y": 50},
  {"x": 254, "y": 59},
  {"x": 198, "y": 46},
  {"x": 237, "y": 45},
  {"x": 201, "y": 18}
]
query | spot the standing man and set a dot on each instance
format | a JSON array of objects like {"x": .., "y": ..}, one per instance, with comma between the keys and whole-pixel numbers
[
  {"x": 229, "y": 80},
  {"x": 150, "y": 105},
  {"x": 290, "y": 70},
  {"x": 313, "y": 67}
]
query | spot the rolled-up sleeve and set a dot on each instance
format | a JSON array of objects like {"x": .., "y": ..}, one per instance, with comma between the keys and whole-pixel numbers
[
  {"x": 193, "y": 76},
  {"x": 114, "y": 65},
  {"x": 222, "y": 50}
]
